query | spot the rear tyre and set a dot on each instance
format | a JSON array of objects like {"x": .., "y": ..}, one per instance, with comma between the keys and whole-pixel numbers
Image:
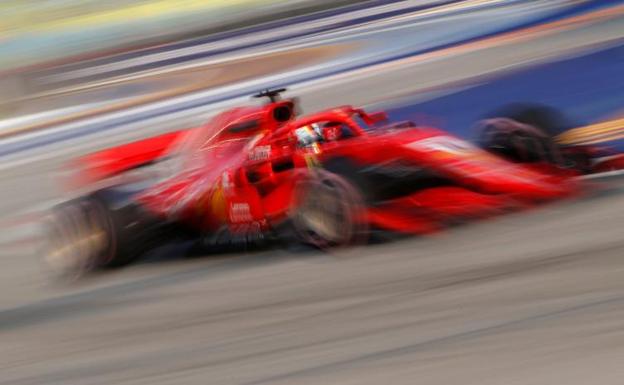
[
  {"x": 79, "y": 238},
  {"x": 327, "y": 212},
  {"x": 87, "y": 234}
]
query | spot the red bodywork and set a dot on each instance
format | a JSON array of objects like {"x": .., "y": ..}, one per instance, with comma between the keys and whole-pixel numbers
[{"x": 239, "y": 170}]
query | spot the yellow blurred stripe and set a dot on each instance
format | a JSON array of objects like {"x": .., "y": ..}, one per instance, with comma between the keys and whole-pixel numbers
[
  {"x": 609, "y": 138},
  {"x": 146, "y": 10},
  {"x": 595, "y": 133}
]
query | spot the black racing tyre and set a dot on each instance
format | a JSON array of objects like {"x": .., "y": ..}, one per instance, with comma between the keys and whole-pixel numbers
[
  {"x": 327, "y": 212},
  {"x": 526, "y": 133},
  {"x": 86, "y": 234},
  {"x": 79, "y": 237}
]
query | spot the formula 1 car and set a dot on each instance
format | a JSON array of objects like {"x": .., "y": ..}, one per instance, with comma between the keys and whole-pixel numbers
[{"x": 260, "y": 174}]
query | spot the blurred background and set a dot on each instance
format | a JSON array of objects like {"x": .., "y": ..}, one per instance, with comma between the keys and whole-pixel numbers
[{"x": 535, "y": 298}]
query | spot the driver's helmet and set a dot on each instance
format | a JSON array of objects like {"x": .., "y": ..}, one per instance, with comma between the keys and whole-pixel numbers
[{"x": 308, "y": 135}]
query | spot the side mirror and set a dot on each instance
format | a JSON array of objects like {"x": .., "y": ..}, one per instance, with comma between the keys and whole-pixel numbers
[
  {"x": 377, "y": 117},
  {"x": 372, "y": 118}
]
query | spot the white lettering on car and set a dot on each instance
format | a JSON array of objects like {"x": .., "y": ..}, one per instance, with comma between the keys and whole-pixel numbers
[
  {"x": 260, "y": 153},
  {"x": 240, "y": 212}
]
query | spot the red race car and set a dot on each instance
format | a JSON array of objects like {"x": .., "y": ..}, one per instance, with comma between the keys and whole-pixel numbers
[{"x": 258, "y": 174}]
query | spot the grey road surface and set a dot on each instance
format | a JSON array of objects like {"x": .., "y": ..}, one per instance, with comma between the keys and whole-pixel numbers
[{"x": 530, "y": 298}]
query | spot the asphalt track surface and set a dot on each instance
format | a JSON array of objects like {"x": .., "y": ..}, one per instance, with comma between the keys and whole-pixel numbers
[
  {"x": 527, "y": 298},
  {"x": 530, "y": 298}
]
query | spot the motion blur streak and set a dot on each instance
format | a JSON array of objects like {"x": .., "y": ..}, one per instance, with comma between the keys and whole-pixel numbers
[
  {"x": 596, "y": 133},
  {"x": 103, "y": 93}
]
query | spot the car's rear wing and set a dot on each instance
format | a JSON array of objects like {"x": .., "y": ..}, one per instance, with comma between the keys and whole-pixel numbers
[{"x": 113, "y": 161}]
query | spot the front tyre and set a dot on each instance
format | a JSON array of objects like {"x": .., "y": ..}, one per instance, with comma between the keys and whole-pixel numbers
[
  {"x": 327, "y": 212},
  {"x": 527, "y": 133}
]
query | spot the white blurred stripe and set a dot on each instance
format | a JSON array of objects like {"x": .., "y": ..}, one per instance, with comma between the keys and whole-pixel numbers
[{"x": 259, "y": 37}]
